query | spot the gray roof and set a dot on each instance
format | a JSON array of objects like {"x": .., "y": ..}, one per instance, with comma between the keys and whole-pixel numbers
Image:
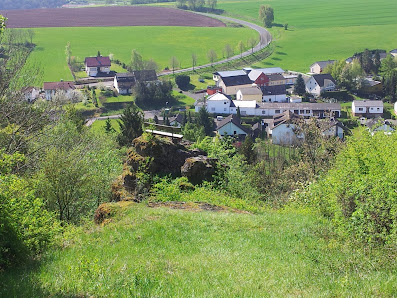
[
  {"x": 300, "y": 105},
  {"x": 237, "y": 80},
  {"x": 319, "y": 78},
  {"x": 368, "y": 103},
  {"x": 230, "y": 73},
  {"x": 323, "y": 64},
  {"x": 393, "y": 51},
  {"x": 276, "y": 77},
  {"x": 233, "y": 119},
  {"x": 274, "y": 90}
]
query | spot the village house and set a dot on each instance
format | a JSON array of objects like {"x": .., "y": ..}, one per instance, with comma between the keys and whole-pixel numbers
[
  {"x": 320, "y": 83},
  {"x": 266, "y": 76},
  {"x": 232, "y": 81},
  {"x": 231, "y": 126},
  {"x": 283, "y": 128},
  {"x": 393, "y": 53},
  {"x": 318, "y": 67},
  {"x": 221, "y": 104},
  {"x": 375, "y": 125},
  {"x": 370, "y": 86},
  {"x": 276, "y": 93},
  {"x": 333, "y": 128},
  {"x": 95, "y": 66},
  {"x": 176, "y": 121},
  {"x": 124, "y": 82},
  {"x": 367, "y": 108},
  {"x": 31, "y": 93},
  {"x": 252, "y": 93},
  {"x": 50, "y": 88}
]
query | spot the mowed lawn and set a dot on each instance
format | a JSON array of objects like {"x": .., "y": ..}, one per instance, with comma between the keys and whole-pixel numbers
[
  {"x": 160, "y": 252},
  {"x": 157, "y": 43},
  {"x": 321, "y": 30}
]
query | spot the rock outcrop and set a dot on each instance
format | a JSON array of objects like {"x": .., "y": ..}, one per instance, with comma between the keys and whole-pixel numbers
[{"x": 200, "y": 168}]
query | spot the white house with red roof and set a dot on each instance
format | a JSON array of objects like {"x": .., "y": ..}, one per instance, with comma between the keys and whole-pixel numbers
[
  {"x": 50, "y": 88},
  {"x": 97, "y": 65}
]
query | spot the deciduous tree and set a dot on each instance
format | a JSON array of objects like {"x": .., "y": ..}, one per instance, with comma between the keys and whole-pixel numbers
[
  {"x": 211, "y": 55},
  {"x": 266, "y": 15}
]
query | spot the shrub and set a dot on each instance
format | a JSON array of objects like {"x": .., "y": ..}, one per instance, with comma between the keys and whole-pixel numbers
[{"x": 182, "y": 81}]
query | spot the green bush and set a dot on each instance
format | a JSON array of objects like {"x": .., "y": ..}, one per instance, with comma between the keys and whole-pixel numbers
[
  {"x": 359, "y": 193},
  {"x": 182, "y": 81}
]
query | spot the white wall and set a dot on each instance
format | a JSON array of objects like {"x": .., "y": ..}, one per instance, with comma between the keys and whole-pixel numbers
[
  {"x": 229, "y": 129},
  {"x": 218, "y": 106},
  {"x": 284, "y": 134},
  {"x": 275, "y": 98}
]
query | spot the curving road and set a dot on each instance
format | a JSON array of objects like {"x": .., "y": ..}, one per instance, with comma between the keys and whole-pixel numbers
[{"x": 265, "y": 39}]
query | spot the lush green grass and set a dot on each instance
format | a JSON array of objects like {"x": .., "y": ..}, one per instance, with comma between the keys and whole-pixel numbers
[
  {"x": 157, "y": 43},
  {"x": 99, "y": 125},
  {"x": 321, "y": 30},
  {"x": 172, "y": 253}
]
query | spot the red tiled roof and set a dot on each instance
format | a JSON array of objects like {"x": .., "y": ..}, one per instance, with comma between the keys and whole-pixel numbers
[
  {"x": 59, "y": 86},
  {"x": 97, "y": 61}
]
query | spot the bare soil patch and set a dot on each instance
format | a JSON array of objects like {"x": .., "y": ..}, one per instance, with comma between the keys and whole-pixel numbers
[
  {"x": 106, "y": 17},
  {"x": 194, "y": 206}
]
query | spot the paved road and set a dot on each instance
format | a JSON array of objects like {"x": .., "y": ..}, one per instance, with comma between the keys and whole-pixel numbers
[
  {"x": 265, "y": 39},
  {"x": 148, "y": 115}
]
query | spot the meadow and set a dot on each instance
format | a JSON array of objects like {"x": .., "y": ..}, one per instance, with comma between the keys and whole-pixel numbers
[
  {"x": 157, "y": 43},
  {"x": 161, "y": 252},
  {"x": 321, "y": 30}
]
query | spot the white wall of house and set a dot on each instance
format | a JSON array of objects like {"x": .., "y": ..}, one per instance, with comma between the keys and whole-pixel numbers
[
  {"x": 315, "y": 68},
  {"x": 284, "y": 134},
  {"x": 360, "y": 109},
  {"x": 218, "y": 106},
  {"x": 313, "y": 88},
  {"x": 91, "y": 71},
  {"x": 105, "y": 69},
  {"x": 275, "y": 98}
]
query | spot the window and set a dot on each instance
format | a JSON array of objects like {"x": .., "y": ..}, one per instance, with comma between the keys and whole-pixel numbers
[
  {"x": 224, "y": 109},
  {"x": 225, "y": 102},
  {"x": 277, "y": 111},
  {"x": 307, "y": 111},
  {"x": 296, "y": 111},
  {"x": 378, "y": 109},
  {"x": 360, "y": 109},
  {"x": 263, "y": 112},
  {"x": 270, "y": 100},
  {"x": 235, "y": 132},
  {"x": 243, "y": 112},
  {"x": 302, "y": 111}
]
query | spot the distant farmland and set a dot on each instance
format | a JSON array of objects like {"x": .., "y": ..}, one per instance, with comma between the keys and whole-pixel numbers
[
  {"x": 157, "y": 43},
  {"x": 107, "y": 16},
  {"x": 321, "y": 30}
]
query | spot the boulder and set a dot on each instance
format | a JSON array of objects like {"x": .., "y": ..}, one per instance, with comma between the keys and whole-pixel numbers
[{"x": 199, "y": 168}]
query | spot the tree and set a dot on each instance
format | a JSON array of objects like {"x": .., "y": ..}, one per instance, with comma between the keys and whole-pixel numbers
[
  {"x": 2, "y": 23},
  {"x": 150, "y": 65},
  {"x": 182, "y": 81},
  {"x": 68, "y": 52},
  {"x": 252, "y": 43},
  {"x": 376, "y": 62},
  {"x": 194, "y": 60},
  {"x": 299, "y": 86},
  {"x": 193, "y": 132},
  {"x": 286, "y": 26},
  {"x": 108, "y": 126},
  {"x": 156, "y": 119},
  {"x": 366, "y": 61},
  {"x": 266, "y": 15},
  {"x": 174, "y": 63},
  {"x": 247, "y": 150},
  {"x": 130, "y": 123},
  {"x": 136, "y": 61},
  {"x": 181, "y": 3},
  {"x": 241, "y": 48},
  {"x": 211, "y": 55},
  {"x": 228, "y": 51},
  {"x": 205, "y": 120},
  {"x": 238, "y": 113},
  {"x": 212, "y": 4}
]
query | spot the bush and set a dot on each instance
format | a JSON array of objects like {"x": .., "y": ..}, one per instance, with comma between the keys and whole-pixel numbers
[
  {"x": 182, "y": 81},
  {"x": 359, "y": 193}
]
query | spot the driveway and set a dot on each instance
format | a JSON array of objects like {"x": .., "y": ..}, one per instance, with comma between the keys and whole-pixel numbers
[{"x": 148, "y": 115}]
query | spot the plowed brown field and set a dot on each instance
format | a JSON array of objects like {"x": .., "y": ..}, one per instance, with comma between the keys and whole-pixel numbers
[{"x": 106, "y": 16}]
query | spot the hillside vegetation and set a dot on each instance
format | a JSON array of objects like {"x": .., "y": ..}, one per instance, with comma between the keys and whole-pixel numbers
[
  {"x": 31, "y": 4},
  {"x": 163, "y": 252}
]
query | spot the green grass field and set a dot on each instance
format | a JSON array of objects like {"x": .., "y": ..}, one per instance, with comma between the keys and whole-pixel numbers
[
  {"x": 157, "y": 43},
  {"x": 321, "y": 30},
  {"x": 160, "y": 252}
]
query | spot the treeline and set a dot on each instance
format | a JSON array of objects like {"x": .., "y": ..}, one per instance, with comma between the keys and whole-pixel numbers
[{"x": 30, "y": 4}]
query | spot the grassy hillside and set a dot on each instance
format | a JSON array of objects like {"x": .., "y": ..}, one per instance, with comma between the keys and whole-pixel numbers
[
  {"x": 157, "y": 43},
  {"x": 163, "y": 252},
  {"x": 320, "y": 30}
]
